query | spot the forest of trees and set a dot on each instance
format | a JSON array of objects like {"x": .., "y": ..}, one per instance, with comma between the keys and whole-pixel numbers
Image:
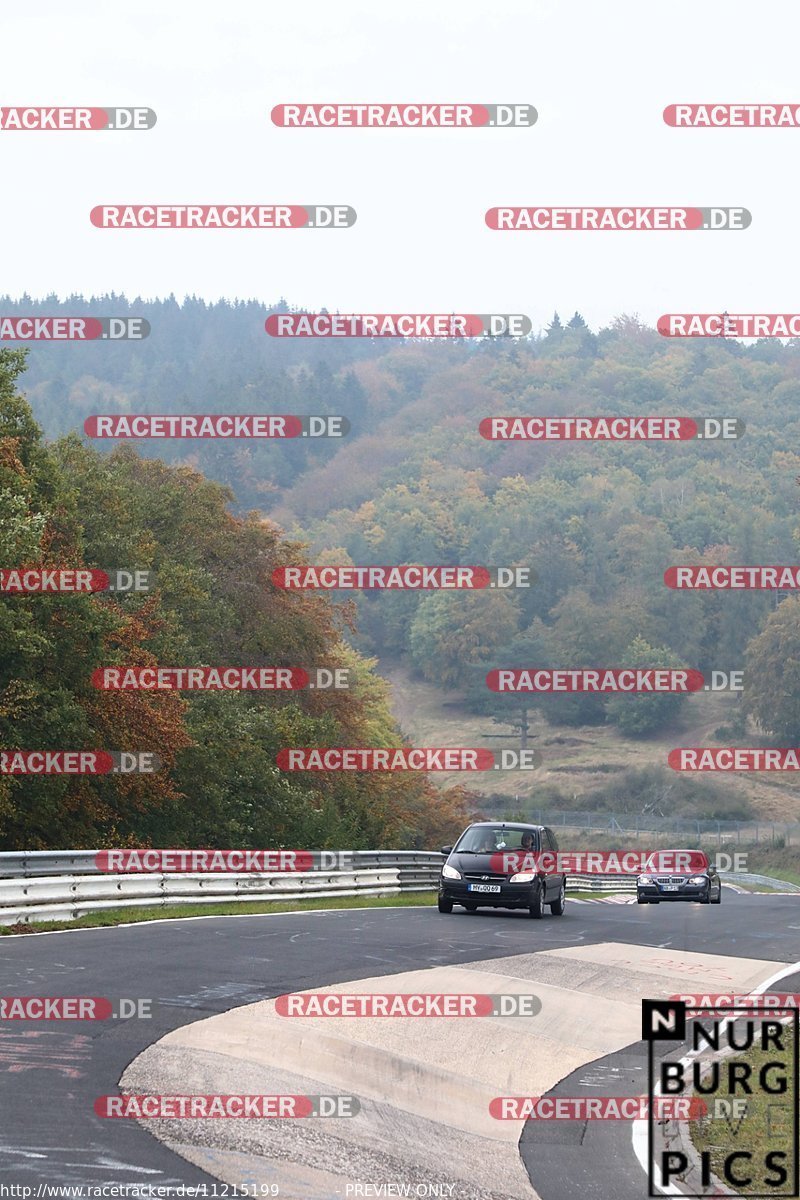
[
  {"x": 599, "y": 523},
  {"x": 413, "y": 482},
  {"x": 64, "y": 504},
  {"x": 197, "y": 358}
]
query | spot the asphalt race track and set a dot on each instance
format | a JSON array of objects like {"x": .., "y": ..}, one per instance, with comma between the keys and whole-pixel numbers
[{"x": 52, "y": 1071}]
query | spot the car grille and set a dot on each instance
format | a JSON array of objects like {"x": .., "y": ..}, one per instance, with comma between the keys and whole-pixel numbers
[
  {"x": 487, "y": 878},
  {"x": 670, "y": 879}
]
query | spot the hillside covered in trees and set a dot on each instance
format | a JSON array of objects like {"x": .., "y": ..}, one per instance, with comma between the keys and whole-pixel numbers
[
  {"x": 63, "y": 504},
  {"x": 598, "y": 522},
  {"x": 415, "y": 482},
  {"x": 197, "y": 358}
]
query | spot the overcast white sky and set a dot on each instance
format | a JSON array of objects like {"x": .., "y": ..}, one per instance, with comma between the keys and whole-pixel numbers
[{"x": 599, "y": 75}]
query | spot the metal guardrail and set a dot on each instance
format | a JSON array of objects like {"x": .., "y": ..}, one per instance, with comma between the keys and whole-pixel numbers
[
  {"x": 766, "y": 880},
  {"x": 51, "y": 885},
  {"x": 62, "y": 885},
  {"x": 26, "y": 863},
  {"x": 601, "y": 883},
  {"x": 627, "y": 883}
]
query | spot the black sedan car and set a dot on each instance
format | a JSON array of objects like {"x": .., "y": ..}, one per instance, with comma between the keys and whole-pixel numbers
[
  {"x": 703, "y": 885},
  {"x": 492, "y": 865}
]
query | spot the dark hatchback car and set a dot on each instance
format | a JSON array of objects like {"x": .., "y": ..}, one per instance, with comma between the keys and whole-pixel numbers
[
  {"x": 702, "y": 886},
  {"x": 476, "y": 875}
]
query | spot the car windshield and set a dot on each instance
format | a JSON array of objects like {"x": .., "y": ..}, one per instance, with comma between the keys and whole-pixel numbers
[
  {"x": 486, "y": 839},
  {"x": 677, "y": 862}
]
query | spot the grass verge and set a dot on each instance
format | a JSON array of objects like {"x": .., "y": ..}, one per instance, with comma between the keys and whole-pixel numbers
[
  {"x": 125, "y": 916},
  {"x": 777, "y": 872}
]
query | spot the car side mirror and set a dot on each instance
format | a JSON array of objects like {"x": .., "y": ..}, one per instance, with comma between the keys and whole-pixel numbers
[{"x": 447, "y": 849}]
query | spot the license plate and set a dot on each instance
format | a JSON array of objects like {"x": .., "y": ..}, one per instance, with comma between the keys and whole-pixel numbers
[
  {"x": 483, "y": 887},
  {"x": 670, "y": 887}
]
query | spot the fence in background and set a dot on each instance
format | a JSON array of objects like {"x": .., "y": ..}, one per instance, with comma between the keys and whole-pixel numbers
[{"x": 721, "y": 833}]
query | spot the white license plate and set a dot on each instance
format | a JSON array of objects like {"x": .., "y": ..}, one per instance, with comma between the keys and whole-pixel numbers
[
  {"x": 670, "y": 887},
  {"x": 483, "y": 887}
]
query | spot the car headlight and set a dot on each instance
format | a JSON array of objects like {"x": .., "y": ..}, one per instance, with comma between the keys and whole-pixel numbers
[
  {"x": 699, "y": 880},
  {"x": 645, "y": 879},
  {"x": 523, "y": 877},
  {"x": 450, "y": 872}
]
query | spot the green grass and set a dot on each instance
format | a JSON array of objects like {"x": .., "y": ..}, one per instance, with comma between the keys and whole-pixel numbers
[
  {"x": 778, "y": 873},
  {"x": 593, "y": 767},
  {"x": 766, "y": 1126},
  {"x": 779, "y": 862},
  {"x": 124, "y": 916},
  {"x": 759, "y": 889},
  {"x": 762, "y": 888}
]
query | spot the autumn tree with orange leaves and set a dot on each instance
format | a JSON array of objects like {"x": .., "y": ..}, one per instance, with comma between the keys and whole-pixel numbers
[{"x": 212, "y": 604}]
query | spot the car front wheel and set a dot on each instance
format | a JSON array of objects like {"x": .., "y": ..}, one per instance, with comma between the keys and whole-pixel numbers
[
  {"x": 557, "y": 907},
  {"x": 445, "y": 906},
  {"x": 536, "y": 907},
  {"x": 719, "y": 898}
]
